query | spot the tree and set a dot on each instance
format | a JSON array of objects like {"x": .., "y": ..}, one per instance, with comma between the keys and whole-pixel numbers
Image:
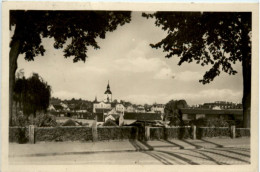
[
  {"x": 173, "y": 113},
  {"x": 219, "y": 39},
  {"x": 32, "y": 94},
  {"x": 77, "y": 29}
]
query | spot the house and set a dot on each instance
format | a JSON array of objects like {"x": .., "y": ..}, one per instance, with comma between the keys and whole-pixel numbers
[
  {"x": 219, "y": 104},
  {"x": 120, "y": 108},
  {"x": 58, "y": 108},
  {"x": 112, "y": 117},
  {"x": 130, "y": 109},
  {"x": 227, "y": 114},
  {"x": 140, "y": 109},
  {"x": 131, "y": 117},
  {"x": 158, "y": 108},
  {"x": 51, "y": 108}
]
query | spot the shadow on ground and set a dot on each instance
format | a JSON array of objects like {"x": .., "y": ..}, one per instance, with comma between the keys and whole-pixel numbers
[
  {"x": 215, "y": 155},
  {"x": 169, "y": 152}
]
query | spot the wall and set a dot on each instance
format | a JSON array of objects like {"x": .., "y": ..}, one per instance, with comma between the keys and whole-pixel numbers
[
  {"x": 67, "y": 133},
  {"x": 213, "y": 132},
  {"x": 80, "y": 133},
  {"x": 116, "y": 133},
  {"x": 18, "y": 134}
]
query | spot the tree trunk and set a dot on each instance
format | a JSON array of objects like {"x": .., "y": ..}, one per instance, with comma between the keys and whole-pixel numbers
[
  {"x": 246, "y": 67},
  {"x": 246, "y": 101},
  {"x": 13, "y": 56}
]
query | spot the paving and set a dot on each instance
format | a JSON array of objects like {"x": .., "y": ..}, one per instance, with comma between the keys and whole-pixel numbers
[{"x": 220, "y": 151}]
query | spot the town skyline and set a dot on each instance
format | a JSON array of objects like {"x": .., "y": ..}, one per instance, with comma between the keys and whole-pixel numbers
[{"x": 136, "y": 72}]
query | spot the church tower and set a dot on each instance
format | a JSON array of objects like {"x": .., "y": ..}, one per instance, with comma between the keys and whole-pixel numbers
[{"x": 108, "y": 94}]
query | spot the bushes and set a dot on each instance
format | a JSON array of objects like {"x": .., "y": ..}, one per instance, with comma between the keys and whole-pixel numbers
[
  {"x": 157, "y": 133},
  {"x": 116, "y": 133},
  {"x": 45, "y": 120},
  {"x": 179, "y": 132},
  {"x": 69, "y": 122},
  {"x": 204, "y": 122},
  {"x": 213, "y": 132},
  {"x": 18, "y": 134},
  {"x": 63, "y": 134},
  {"x": 240, "y": 132}
]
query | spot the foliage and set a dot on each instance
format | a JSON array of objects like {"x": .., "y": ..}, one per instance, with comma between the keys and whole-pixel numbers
[
  {"x": 63, "y": 134},
  {"x": 116, "y": 133},
  {"x": 78, "y": 30},
  {"x": 32, "y": 94},
  {"x": 173, "y": 113},
  {"x": 45, "y": 120},
  {"x": 18, "y": 134},
  {"x": 204, "y": 122},
  {"x": 205, "y": 37},
  {"x": 82, "y": 28},
  {"x": 242, "y": 132},
  {"x": 213, "y": 132},
  {"x": 69, "y": 122},
  {"x": 218, "y": 39},
  {"x": 21, "y": 120}
]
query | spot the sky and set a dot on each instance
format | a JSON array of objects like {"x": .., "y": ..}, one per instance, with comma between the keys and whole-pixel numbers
[{"x": 135, "y": 71}]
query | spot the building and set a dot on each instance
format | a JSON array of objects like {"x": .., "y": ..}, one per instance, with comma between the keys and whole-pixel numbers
[
  {"x": 130, "y": 118},
  {"x": 130, "y": 108},
  {"x": 227, "y": 114},
  {"x": 108, "y": 94},
  {"x": 140, "y": 109},
  {"x": 219, "y": 105},
  {"x": 158, "y": 108},
  {"x": 106, "y": 109}
]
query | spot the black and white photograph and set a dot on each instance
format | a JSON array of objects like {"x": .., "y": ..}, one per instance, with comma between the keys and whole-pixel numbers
[{"x": 130, "y": 86}]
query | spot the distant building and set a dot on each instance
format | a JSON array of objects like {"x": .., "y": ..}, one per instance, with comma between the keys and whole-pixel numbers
[
  {"x": 108, "y": 94},
  {"x": 106, "y": 109},
  {"x": 227, "y": 114},
  {"x": 140, "y": 109},
  {"x": 130, "y": 118},
  {"x": 158, "y": 108},
  {"x": 130, "y": 109},
  {"x": 220, "y": 105}
]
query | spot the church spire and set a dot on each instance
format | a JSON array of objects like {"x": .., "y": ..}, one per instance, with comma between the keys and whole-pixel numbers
[{"x": 108, "y": 87}]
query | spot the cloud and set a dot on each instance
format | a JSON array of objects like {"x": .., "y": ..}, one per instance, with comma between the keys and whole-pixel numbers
[
  {"x": 209, "y": 95},
  {"x": 200, "y": 97},
  {"x": 164, "y": 73},
  {"x": 139, "y": 64},
  {"x": 66, "y": 94},
  {"x": 96, "y": 70},
  {"x": 142, "y": 98},
  {"x": 189, "y": 76}
]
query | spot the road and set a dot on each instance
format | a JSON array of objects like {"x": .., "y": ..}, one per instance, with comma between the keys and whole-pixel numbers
[{"x": 166, "y": 156}]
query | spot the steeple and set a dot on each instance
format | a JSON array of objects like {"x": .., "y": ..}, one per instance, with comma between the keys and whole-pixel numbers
[
  {"x": 108, "y": 91},
  {"x": 95, "y": 101},
  {"x": 108, "y": 87},
  {"x": 108, "y": 94}
]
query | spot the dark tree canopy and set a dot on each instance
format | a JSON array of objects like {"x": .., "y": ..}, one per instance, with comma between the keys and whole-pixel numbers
[
  {"x": 214, "y": 38},
  {"x": 173, "y": 113},
  {"x": 32, "y": 94},
  {"x": 218, "y": 39},
  {"x": 81, "y": 27},
  {"x": 77, "y": 30}
]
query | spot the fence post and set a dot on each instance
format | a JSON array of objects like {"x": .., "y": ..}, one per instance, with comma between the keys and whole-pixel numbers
[
  {"x": 31, "y": 134},
  {"x": 193, "y": 130},
  {"x": 147, "y": 133},
  {"x": 233, "y": 131},
  {"x": 94, "y": 131}
]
